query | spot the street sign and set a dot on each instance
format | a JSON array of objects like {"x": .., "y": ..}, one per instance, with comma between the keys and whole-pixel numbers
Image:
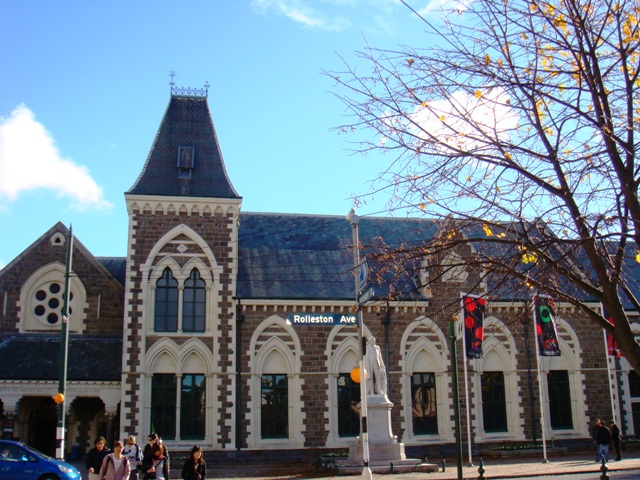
[
  {"x": 322, "y": 319},
  {"x": 366, "y": 295},
  {"x": 363, "y": 275}
]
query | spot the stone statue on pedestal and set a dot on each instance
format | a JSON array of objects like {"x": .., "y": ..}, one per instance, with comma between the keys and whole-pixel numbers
[{"x": 376, "y": 373}]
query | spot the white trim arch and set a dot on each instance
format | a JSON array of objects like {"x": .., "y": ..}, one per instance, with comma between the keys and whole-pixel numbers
[
  {"x": 569, "y": 360},
  {"x": 192, "y": 357},
  {"x": 626, "y": 423},
  {"x": 498, "y": 356},
  {"x": 341, "y": 359},
  {"x": 424, "y": 355},
  {"x": 209, "y": 274},
  {"x": 281, "y": 342},
  {"x": 181, "y": 229},
  {"x": 40, "y": 280}
]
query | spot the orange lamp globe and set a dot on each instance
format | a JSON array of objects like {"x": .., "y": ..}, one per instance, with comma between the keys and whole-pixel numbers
[
  {"x": 355, "y": 375},
  {"x": 58, "y": 398}
]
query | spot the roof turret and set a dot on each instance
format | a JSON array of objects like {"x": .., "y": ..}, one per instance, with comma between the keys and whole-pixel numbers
[{"x": 185, "y": 159}]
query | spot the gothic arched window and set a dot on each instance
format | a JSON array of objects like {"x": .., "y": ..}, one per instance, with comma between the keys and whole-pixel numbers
[
  {"x": 166, "y": 308},
  {"x": 193, "y": 303}
]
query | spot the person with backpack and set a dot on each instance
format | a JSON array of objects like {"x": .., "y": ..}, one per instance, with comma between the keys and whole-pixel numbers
[
  {"x": 134, "y": 454},
  {"x": 115, "y": 466}
]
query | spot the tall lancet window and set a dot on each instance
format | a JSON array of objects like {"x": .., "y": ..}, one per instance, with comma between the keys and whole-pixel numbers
[
  {"x": 193, "y": 303},
  {"x": 186, "y": 161},
  {"x": 166, "y": 312}
]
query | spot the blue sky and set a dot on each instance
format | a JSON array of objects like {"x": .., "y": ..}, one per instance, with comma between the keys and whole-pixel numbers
[{"x": 85, "y": 84}]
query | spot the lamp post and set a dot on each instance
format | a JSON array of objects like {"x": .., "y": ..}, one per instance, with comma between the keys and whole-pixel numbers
[
  {"x": 64, "y": 345},
  {"x": 366, "y": 471}
]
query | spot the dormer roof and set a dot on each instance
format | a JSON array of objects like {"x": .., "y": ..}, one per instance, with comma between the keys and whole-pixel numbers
[{"x": 185, "y": 159}]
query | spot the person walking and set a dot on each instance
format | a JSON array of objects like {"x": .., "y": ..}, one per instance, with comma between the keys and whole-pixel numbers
[
  {"x": 195, "y": 467},
  {"x": 115, "y": 466},
  {"x": 616, "y": 438},
  {"x": 134, "y": 454},
  {"x": 603, "y": 439},
  {"x": 152, "y": 439},
  {"x": 158, "y": 468},
  {"x": 94, "y": 458}
]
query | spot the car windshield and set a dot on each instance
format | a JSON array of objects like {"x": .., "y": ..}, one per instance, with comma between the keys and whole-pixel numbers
[{"x": 30, "y": 449}]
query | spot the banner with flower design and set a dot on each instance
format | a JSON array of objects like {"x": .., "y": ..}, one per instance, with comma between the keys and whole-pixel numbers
[
  {"x": 546, "y": 331},
  {"x": 473, "y": 308}
]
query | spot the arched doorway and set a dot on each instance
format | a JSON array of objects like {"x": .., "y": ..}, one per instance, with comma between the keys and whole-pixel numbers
[{"x": 42, "y": 425}]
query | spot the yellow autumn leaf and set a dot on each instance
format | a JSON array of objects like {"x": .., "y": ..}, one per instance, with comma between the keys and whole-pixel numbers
[
  {"x": 508, "y": 156},
  {"x": 478, "y": 93},
  {"x": 410, "y": 61},
  {"x": 487, "y": 59},
  {"x": 487, "y": 230},
  {"x": 529, "y": 257},
  {"x": 638, "y": 257},
  {"x": 422, "y": 206},
  {"x": 442, "y": 118}
]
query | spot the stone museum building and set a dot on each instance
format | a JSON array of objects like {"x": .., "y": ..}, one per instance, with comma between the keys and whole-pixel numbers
[{"x": 192, "y": 336}]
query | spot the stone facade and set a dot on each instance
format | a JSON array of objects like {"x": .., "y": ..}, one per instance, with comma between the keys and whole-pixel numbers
[{"x": 256, "y": 269}]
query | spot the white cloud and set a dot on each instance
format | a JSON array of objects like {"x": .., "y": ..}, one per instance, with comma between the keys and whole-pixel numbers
[
  {"x": 459, "y": 6},
  {"x": 30, "y": 160},
  {"x": 462, "y": 120},
  {"x": 332, "y": 15}
]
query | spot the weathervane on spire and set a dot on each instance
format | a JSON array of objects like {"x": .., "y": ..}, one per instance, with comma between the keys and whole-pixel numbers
[{"x": 187, "y": 92}]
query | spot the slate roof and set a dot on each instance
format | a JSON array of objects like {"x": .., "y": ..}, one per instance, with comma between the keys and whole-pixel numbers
[
  {"x": 116, "y": 266},
  {"x": 293, "y": 256},
  {"x": 35, "y": 357},
  {"x": 186, "y": 123}
]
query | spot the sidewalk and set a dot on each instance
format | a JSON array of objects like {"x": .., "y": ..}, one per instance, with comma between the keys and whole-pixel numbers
[{"x": 494, "y": 468}]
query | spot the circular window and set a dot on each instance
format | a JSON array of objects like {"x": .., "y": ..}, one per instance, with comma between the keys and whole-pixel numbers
[{"x": 48, "y": 302}]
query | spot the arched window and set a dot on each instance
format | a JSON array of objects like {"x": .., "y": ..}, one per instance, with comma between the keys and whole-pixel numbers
[
  {"x": 193, "y": 303},
  {"x": 166, "y": 308}
]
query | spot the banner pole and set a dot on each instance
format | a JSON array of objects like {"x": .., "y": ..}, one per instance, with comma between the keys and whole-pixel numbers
[{"x": 542, "y": 418}]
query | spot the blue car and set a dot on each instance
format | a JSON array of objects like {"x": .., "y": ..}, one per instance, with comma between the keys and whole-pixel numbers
[{"x": 22, "y": 462}]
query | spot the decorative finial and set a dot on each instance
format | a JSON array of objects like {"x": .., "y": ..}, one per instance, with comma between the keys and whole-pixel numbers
[
  {"x": 172, "y": 74},
  {"x": 206, "y": 88}
]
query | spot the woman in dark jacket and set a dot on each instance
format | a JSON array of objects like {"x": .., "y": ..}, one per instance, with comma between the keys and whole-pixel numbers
[
  {"x": 195, "y": 467},
  {"x": 158, "y": 467}
]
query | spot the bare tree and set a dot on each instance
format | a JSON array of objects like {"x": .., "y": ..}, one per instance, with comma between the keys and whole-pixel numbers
[{"x": 516, "y": 121}]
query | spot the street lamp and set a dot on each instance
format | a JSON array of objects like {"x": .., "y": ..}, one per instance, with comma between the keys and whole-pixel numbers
[
  {"x": 354, "y": 220},
  {"x": 64, "y": 345}
]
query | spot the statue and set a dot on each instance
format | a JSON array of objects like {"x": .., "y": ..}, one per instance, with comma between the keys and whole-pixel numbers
[{"x": 376, "y": 374}]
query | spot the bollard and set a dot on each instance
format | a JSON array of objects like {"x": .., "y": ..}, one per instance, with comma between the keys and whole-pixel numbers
[
  {"x": 481, "y": 470},
  {"x": 391, "y": 467},
  {"x": 444, "y": 465},
  {"x": 605, "y": 470}
]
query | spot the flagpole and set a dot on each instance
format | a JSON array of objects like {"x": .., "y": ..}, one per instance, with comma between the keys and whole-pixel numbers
[
  {"x": 610, "y": 376},
  {"x": 611, "y": 386},
  {"x": 466, "y": 382},
  {"x": 542, "y": 421}
]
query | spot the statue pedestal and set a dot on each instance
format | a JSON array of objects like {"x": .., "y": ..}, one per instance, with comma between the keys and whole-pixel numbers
[{"x": 383, "y": 445}]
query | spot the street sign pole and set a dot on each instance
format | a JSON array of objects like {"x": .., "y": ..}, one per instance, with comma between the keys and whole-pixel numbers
[{"x": 359, "y": 282}]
